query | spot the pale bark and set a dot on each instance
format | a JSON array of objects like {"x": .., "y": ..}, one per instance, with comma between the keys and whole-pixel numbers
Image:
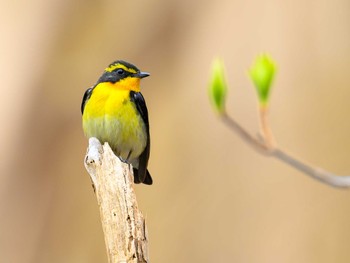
[{"x": 123, "y": 224}]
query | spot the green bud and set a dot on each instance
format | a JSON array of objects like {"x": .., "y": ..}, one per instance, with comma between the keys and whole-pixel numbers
[
  {"x": 262, "y": 73},
  {"x": 218, "y": 87}
]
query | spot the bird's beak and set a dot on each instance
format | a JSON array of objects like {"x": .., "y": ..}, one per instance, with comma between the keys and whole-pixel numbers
[{"x": 141, "y": 75}]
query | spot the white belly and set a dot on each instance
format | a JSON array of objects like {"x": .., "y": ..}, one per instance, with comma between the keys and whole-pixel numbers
[{"x": 127, "y": 137}]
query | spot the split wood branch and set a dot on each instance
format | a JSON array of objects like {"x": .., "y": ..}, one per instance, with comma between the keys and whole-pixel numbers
[
  {"x": 123, "y": 224},
  {"x": 268, "y": 146}
]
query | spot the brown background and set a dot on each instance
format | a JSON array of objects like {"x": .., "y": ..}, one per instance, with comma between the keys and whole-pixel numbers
[{"x": 214, "y": 198}]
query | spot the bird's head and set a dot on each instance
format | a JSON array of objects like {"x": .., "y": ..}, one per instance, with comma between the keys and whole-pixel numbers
[{"x": 123, "y": 75}]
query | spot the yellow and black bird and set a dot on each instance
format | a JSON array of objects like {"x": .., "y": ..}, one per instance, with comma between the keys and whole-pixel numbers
[{"x": 115, "y": 111}]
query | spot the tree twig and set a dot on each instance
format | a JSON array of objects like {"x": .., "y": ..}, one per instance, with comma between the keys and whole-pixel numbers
[
  {"x": 244, "y": 134},
  {"x": 315, "y": 172},
  {"x": 123, "y": 224},
  {"x": 265, "y": 127},
  {"x": 268, "y": 146}
]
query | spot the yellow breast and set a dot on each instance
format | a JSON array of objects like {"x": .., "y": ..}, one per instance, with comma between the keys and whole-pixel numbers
[{"x": 111, "y": 117}]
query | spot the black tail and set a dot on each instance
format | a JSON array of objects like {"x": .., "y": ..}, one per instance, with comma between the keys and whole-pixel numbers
[{"x": 148, "y": 179}]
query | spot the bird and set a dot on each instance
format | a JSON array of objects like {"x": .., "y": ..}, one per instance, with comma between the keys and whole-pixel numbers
[{"x": 114, "y": 111}]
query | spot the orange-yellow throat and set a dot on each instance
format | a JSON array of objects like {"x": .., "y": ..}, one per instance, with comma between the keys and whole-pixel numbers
[{"x": 111, "y": 116}]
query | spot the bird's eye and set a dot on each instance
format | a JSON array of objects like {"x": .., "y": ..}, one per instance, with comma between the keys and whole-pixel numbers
[{"x": 120, "y": 71}]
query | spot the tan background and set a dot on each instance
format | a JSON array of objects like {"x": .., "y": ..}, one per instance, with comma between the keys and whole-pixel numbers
[{"x": 214, "y": 198}]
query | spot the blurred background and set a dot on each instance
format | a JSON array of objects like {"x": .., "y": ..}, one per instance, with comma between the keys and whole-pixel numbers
[{"x": 214, "y": 199}]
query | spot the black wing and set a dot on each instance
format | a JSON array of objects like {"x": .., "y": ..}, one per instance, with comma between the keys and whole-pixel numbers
[
  {"x": 86, "y": 97},
  {"x": 141, "y": 107}
]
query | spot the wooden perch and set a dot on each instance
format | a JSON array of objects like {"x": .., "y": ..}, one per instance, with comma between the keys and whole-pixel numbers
[{"x": 123, "y": 224}]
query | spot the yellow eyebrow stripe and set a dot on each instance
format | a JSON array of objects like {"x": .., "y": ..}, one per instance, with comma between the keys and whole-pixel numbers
[{"x": 118, "y": 65}]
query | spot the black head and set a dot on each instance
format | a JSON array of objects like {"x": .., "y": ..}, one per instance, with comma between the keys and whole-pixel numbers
[{"x": 120, "y": 70}]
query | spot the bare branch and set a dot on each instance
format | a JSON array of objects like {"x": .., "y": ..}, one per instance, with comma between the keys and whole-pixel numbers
[
  {"x": 315, "y": 172},
  {"x": 268, "y": 147},
  {"x": 123, "y": 224},
  {"x": 265, "y": 127},
  {"x": 244, "y": 134}
]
